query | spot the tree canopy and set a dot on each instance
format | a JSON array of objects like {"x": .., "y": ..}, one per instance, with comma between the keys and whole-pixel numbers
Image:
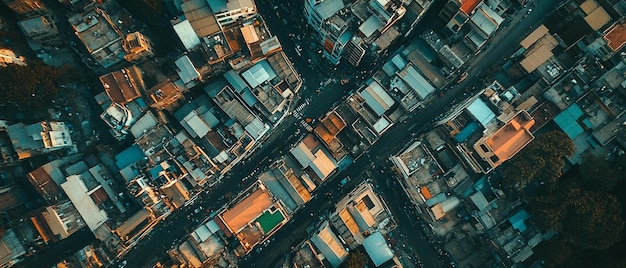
[
  {"x": 31, "y": 87},
  {"x": 585, "y": 218},
  {"x": 540, "y": 161},
  {"x": 554, "y": 252},
  {"x": 356, "y": 259},
  {"x": 149, "y": 11},
  {"x": 599, "y": 173}
]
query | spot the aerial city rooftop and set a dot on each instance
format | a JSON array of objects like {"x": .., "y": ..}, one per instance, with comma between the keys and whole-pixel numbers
[{"x": 312, "y": 133}]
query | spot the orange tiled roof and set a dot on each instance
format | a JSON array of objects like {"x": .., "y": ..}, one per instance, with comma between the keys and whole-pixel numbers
[
  {"x": 467, "y": 6},
  {"x": 616, "y": 36}
]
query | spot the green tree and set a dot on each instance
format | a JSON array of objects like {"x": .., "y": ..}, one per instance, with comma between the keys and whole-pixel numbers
[
  {"x": 356, "y": 259},
  {"x": 592, "y": 219},
  {"x": 554, "y": 252},
  {"x": 547, "y": 212},
  {"x": 149, "y": 11},
  {"x": 31, "y": 87},
  {"x": 598, "y": 173},
  {"x": 587, "y": 219},
  {"x": 541, "y": 161}
]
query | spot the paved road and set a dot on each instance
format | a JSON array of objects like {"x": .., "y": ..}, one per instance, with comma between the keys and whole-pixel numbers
[
  {"x": 502, "y": 45},
  {"x": 177, "y": 225}
]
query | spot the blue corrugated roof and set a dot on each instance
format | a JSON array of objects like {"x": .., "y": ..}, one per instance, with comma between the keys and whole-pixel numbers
[
  {"x": 142, "y": 103},
  {"x": 466, "y": 132},
  {"x": 481, "y": 112},
  {"x": 517, "y": 220},
  {"x": 129, "y": 156},
  {"x": 567, "y": 121},
  {"x": 248, "y": 97},
  {"x": 236, "y": 81},
  {"x": 587, "y": 123},
  {"x": 154, "y": 172},
  {"x": 436, "y": 199},
  {"x": 426, "y": 51}
]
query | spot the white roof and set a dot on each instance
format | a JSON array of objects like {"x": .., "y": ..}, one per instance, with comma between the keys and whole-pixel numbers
[
  {"x": 144, "y": 124},
  {"x": 479, "y": 110},
  {"x": 258, "y": 74},
  {"x": 256, "y": 128},
  {"x": 302, "y": 154},
  {"x": 76, "y": 190},
  {"x": 486, "y": 19},
  {"x": 416, "y": 81},
  {"x": 381, "y": 125},
  {"x": 197, "y": 126},
  {"x": 372, "y": 24},
  {"x": 116, "y": 112},
  {"x": 270, "y": 45},
  {"x": 322, "y": 165},
  {"x": 329, "y": 245},
  {"x": 186, "y": 34},
  {"x": 59, "y": 138},
  {"x": 229, "y": 5},
  {"x": 202, "y": 233},
  {"x": 328, "y": 8},
  {"x": 479, "y": 200},
  {"x": 376, "y": 97},
  {"x": 186, "y": 70},
  {"x": 377, "y": 248}
]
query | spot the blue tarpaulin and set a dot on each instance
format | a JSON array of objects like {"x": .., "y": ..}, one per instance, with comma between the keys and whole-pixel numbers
[
  {"x": 129, "y": 156},
  {"x": 568, "y": 121},
  {"x": 466, "y": 132},
  {"x": 517, "y": 220}
]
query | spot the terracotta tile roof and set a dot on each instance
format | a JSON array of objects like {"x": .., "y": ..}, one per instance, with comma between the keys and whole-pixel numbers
[
  {"x": 467, "y": 6},
  {"x": 616, "y": 36}
]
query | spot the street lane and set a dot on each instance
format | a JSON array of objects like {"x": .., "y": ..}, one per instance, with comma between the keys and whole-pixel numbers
[{"x": 177, "y": 225}]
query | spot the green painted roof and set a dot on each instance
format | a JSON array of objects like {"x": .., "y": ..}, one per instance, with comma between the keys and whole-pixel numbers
[{"x": 269, "y": 220}]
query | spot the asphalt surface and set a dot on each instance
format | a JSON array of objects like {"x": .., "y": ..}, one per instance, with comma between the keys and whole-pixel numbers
[
  {"x": 177, "y": 225},
  {"x": 502, "y": 45}
]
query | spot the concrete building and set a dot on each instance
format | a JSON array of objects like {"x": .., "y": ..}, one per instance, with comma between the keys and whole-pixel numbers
[
  {"x": 477, "y": 123},
  {"x": 39, "y": 138},
  {"x": 360, "y": 213},
  {"x": 365, "y": 28},
  {"x": 330, "y": 247},
  {"x": 373, "y": 104},
  {"x": 84, "y": 199},
  {"x": 288, "y": 183},
  {"x": 7, "y": 56},
  {"x": 230, "y": 11},
  {"x": 138, "y": 47},
  {"x": 63, "y": 219},
  {"x": 123, "y": 103},
  {"x": 318, "y": 11},
  {"x": 43, "y": 31},
  {"x": 103, "y": 40},
  {"x": 315, "y": 160}
]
